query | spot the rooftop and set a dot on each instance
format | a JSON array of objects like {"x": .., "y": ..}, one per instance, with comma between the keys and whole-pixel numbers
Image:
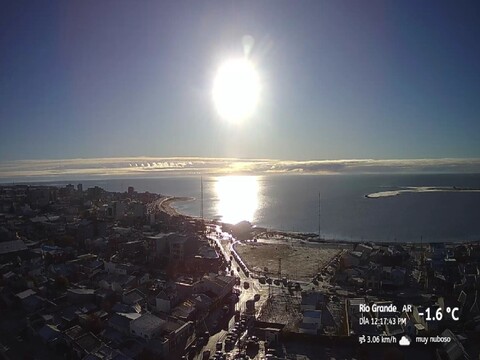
[
  {"x": 82, "y": 291},
  {"x": 12, "y": 246},
  {"x": 24, "y": 294},
  {"x": 148, "y": 322}
]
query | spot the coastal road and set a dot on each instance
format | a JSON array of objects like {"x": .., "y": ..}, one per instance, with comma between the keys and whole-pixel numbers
[{"x": 225, "y": 241}]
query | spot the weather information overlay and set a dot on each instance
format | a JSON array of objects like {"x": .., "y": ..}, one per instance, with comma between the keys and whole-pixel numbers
[{"x": 377, "y": 318}]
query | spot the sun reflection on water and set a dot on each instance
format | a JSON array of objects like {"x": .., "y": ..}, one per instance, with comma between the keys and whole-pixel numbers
[{"x": 237, "y": 198}]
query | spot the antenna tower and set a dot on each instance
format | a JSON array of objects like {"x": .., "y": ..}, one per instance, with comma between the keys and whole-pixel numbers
[
  {"x": 201, "y": 197},
  {"x": 319, "y": 228}
]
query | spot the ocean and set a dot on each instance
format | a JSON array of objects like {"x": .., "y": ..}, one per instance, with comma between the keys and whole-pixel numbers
[{"x": 402, "y": 208}]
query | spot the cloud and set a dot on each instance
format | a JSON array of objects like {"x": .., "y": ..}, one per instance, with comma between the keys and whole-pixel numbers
[
  {"x": 25, "y": 170},
  {"x": 404, "y": 341}
]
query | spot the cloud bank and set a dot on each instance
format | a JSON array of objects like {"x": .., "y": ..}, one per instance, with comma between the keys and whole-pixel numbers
[{"x": 31, "y": 170}]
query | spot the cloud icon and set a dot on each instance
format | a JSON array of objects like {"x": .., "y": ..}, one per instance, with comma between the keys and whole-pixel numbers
[{"x": 404, "y": 341}]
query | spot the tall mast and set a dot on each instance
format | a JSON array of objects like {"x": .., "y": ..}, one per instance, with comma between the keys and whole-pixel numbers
[
  {"x": 319, "y": 228},
  {"x": 201, "y": 196}
]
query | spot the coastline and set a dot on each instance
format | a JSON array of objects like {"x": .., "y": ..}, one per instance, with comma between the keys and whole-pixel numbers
[
  {"x": 420, "y": 190},
  {"x": 165, "y": 205}
]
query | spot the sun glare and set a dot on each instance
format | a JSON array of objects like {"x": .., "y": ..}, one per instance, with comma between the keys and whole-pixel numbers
[
  {"x": 236, "y": 89},
  {"x": 237, "y": 198}
]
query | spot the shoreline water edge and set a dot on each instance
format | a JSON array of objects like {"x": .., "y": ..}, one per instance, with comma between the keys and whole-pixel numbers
[{"x": 166, "y": 205}]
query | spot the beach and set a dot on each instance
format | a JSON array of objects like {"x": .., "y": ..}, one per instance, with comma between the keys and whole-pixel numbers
[
  {"x": 294, "y": 260},
  {"x": 165, "y": 204},
  {"x": 288, "y": 253}
]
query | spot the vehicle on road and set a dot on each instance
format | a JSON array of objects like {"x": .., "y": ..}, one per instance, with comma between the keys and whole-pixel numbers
[{"x": 271, "y": 351}]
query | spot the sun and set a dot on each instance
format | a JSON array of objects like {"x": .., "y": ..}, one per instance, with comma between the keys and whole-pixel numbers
[{"x": 236, "y": 89}]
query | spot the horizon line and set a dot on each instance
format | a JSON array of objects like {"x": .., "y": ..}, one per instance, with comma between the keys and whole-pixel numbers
[{"x": 148, "y": 166}]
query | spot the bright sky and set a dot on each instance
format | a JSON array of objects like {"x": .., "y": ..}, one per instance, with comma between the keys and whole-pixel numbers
[{"x": 339, "y": 79}]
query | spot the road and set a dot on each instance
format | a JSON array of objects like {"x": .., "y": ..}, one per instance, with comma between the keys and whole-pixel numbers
[{"x": 224, "y": 242}]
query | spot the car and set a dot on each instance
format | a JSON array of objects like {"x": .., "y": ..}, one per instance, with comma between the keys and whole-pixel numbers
[{"x": 270, "y": 351}]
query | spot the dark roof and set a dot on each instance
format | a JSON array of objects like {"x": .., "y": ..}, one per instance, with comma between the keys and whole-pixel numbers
[
  {"x": 74, "y": 332},
  {"x": 12, "y": 246},
  {"x": 89, "y": 342}
]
